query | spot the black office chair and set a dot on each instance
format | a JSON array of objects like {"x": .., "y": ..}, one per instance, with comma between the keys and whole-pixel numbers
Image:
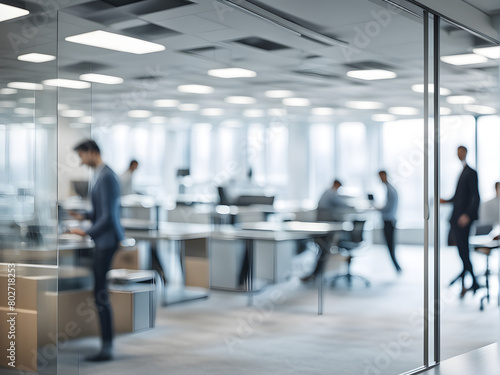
[
  {"x": 348, "y": 247},
  {"x": 486, "y": 250}
]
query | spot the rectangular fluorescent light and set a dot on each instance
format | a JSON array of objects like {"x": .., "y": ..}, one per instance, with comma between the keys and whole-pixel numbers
[
  {"x": 465, "y": 59},
  {"x": 232, "y": 73},
  {"x": 8, "y": 12},
  {"x": 253, "y": 113},
  {"x": 196, "y": 89},
  {"x": 115, "y": 42},
  {"x": 188, "y": 107},
  {"x": 139, "y": 113},
  {"x": 383, "y": 117},
  {"x": 279, "y": 93},
  {"x": 240, "y": 100},
  {"x": 480, "y": 109},
  {"x": 7, "y": 104},
  {"x": 101, "y": 78},
  {"x": 296, "y": 102},
  {"x": 403, "y": 111},
  {"x": 371, "y": 74},
  {"x": 420, "y": 89},
  {"x": 491, "y": 52},
  {"x": 66, "y": 83},
  {"x": 460, "y": 99},
  {"x": 72, "y": 113},
  {"x": 212, "y": 112},
  {"x": 36, "y": 58},
  {"x": 364, "y": 105},
  {"x": 25, "y": 86},
  {"x": 166, "y": 103},
  {"x": 8, "y": 91}
]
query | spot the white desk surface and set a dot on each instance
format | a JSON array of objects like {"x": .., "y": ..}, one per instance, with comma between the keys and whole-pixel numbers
[{"x": 168, "y": 231}]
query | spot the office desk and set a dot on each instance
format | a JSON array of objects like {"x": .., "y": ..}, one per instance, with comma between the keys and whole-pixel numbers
[
  {"x": 167, "y": 260},
  {"x": 276, "y": 232}
]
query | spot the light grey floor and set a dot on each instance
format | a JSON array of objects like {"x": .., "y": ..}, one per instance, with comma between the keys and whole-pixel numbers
[{"x": 376, "y": 330}]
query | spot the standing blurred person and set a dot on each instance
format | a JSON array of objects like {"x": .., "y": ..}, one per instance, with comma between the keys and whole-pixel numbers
[
  {"x": 106, "y": 231},
  {"x": 389, "y": 217},
  {"x": 126, "y": 178},
  {"x": 465, "y": 211}
]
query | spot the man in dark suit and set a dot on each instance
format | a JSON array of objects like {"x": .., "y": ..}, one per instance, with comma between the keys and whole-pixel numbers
[
  {"x": 465, "y": 211},
  {"x": 106, "y": 231}
]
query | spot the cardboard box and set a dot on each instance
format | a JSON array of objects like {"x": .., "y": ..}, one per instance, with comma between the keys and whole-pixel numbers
[
  {"x": 197, "y": 272},
  {"x": 128, "y": 259}
]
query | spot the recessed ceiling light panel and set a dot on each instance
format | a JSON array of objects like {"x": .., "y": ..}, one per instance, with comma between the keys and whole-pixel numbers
[
  {"x": 322, "y": 111},
  {"x": 383, "y": 117},
  {"x": 420, "y": 89},
  {"x": 279, "y": 94},
  {"x": 490, "y": 52},
  {"x": 460, "y": 99},
  {"x": 371, "y": 74},
  {"x": 364, "y": 104},
  {"x": 406, "y": 111},
  {"x": 166, "y": 103},
  {"x": 212, "y": 112},
  {"x": 115, "y": 42},
  {"x": 188, "y": 107},
  {"x": 240, "y": 100},
  {"x": 232, "y": 73},
  {"x": 8, "y": 12},
  {"x": 25, "y": 86},
  {"x": 465, "y": 59},
  {"x": 254, "y": 113},
  {"x": 196, "y": 89},
  {"x": 66, "y": 83},
  {"x": 480, "y": 109},
  {"x": 36, "y": 57},
  {"x": 8, "y": 91},
  {"x": 138, "y": 113},
  {"x": 101, "y": 78},
  {"x": 296, "y": 102}
]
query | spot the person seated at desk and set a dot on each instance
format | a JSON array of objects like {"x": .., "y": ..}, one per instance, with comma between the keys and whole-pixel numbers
[
  {"x": 126, "y": 178},
  {"x": 489, "y": 211},
  {"x": 331, "y": 206}
]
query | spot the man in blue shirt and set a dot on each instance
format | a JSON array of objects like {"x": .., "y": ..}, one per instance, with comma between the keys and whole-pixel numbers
[
  {"x": 106, "y": 231},
  {"x": 389, "y": 217}
]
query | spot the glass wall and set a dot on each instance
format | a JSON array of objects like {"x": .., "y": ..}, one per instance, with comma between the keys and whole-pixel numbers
[
  {"x": 28, "y": 190},
  {"x": 467, "y": 101},
  {"x": 342, "y": 99}
]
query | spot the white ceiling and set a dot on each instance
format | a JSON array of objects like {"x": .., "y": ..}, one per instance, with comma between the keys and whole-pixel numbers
[{"x": 311, "y": 69}]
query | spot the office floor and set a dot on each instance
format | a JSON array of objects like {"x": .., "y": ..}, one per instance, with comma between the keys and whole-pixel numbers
[{"x": 376, "y": 330}]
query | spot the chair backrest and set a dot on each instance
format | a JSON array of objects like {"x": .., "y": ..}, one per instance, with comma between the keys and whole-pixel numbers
[
  {"x": 357, "y": 231},
  {"x": 223, "y": 199}
]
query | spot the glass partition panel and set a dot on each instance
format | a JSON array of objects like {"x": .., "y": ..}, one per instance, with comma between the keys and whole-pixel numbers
[
  {"x": 28, "y": 189},
  {"x": 194, "y": 126},
  {"x": 469, "y": 81}
]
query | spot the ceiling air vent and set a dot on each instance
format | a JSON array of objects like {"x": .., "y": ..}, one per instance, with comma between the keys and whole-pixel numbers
[{"x": 261, "y": 43}]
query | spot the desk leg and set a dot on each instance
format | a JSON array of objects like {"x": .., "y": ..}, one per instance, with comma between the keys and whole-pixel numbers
[
  {"x": 320, "y": 292},
  {"x": 250, "y": 271}
]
